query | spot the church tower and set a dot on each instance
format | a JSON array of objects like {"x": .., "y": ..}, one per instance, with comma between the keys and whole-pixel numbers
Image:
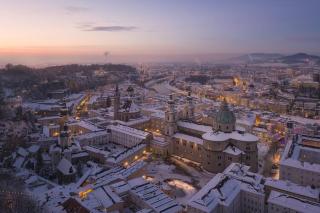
[
  {"x": 64, "y": 139},
  {"x": 170, "y": 118},
  {"x": 116, "y": 103},
  {"x": 189, "y": 108},
  {"x": 63, "y": 114}
]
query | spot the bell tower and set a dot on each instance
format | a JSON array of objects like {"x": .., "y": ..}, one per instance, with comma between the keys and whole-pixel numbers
[
  {"x": 190, "y": 108},
  {"x": 64, "y": 139},
  {"x": 63, "y": 114},
  {"x": 116, "y": 103},
  {"x": 170, "y": 118}
]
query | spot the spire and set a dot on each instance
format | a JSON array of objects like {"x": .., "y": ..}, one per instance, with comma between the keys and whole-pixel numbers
[
  {"x": 171, "y": 103},
  {"x": 64, "y": 140},
  {"x": 170, "y": 118},
  {"x": 116, "y": 103},
  {"x": 117, "y": 87},
  {"x": 63, "y": 114},
  {"x": 117, "y": 91}
]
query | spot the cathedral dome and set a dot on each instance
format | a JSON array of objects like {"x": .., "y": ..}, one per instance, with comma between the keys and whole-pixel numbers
[{"x": 225, "y": 119}]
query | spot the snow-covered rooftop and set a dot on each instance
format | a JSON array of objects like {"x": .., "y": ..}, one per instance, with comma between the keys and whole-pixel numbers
[
  {"x": 293, "y": 203},
  {"x": 193, "y": 126},
  {"x": 235, "y": 135},
  {"x": 65, "y": 167},
  {"x": 188, "y": 138},
  {"x": 152, "y": 196},
  {"x": 129, "y": 131},
  {"x": 299, "y": 149}
]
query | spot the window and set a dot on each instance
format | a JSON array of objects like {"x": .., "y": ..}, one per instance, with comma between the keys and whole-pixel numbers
[
  {"x": 230, "y": 158},
  {"x": 247, "y": 157},
  {"x": 219, "y": 157}
]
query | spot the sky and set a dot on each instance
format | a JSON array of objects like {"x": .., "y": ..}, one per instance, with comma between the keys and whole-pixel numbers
[{"x": 65, "y": 31}]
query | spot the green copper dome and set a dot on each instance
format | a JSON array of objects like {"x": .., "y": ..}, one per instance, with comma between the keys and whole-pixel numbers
[{"x": 225, "y": 116}]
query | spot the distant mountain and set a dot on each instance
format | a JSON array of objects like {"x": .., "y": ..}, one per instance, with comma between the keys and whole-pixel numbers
[
  {"x": 300, "y": 58},
  {"x": 276, "y": 58},
  {"x": 257, "y": 58}
]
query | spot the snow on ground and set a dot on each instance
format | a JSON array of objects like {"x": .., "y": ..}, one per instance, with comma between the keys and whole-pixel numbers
[
  {"x": 183, "y": 180},
  {"x": 161, "y": 171}
]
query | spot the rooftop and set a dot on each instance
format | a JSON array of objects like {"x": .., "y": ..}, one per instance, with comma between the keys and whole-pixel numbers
[
  {"x": 302, "y": 152},
  {"x": 293, "y": 203}
]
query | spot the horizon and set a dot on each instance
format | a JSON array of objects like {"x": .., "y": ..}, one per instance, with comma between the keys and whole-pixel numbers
[{"x": 59, "y": 32}]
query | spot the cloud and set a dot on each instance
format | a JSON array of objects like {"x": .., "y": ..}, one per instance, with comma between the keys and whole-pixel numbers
[
  {"x": 111, "y": 28},
  {"x": 76, "y": 9},
  {"x": 104, "y": 28}
]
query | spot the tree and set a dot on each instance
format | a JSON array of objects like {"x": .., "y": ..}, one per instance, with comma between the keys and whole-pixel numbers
[{"x": 9, "y": 66}]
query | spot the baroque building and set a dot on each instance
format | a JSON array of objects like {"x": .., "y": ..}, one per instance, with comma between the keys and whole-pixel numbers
[
  {"x": 128, "y": 110},
  {"x": 213, "y": 147}
]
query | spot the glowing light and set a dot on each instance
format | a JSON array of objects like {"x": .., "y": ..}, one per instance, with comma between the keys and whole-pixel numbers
[
  {"x": 236, "y": 81},
  {"x": 276, "y": 158},
  {"x": 136, "y": 157},
  {"x": 84, "y": 194},
  {"x": 257, "y": 121},
  {"x": 182, "y": 185}
]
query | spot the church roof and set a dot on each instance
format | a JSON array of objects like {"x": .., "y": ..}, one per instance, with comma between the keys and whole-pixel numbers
[
  {"x": 225, "y": 116},
  {"x": 65, "y": 167}
]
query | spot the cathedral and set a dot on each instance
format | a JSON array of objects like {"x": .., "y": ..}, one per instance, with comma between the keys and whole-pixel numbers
[
  {"x": 128, "y": 111},
  {"x": 213, "y": 147}
]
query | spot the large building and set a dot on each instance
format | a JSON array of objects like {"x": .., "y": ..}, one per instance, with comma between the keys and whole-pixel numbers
[
  {"x": 238, "y": 190},
  {"x": 300, "y": 162},
  {"x": 214, "y": 147}
]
